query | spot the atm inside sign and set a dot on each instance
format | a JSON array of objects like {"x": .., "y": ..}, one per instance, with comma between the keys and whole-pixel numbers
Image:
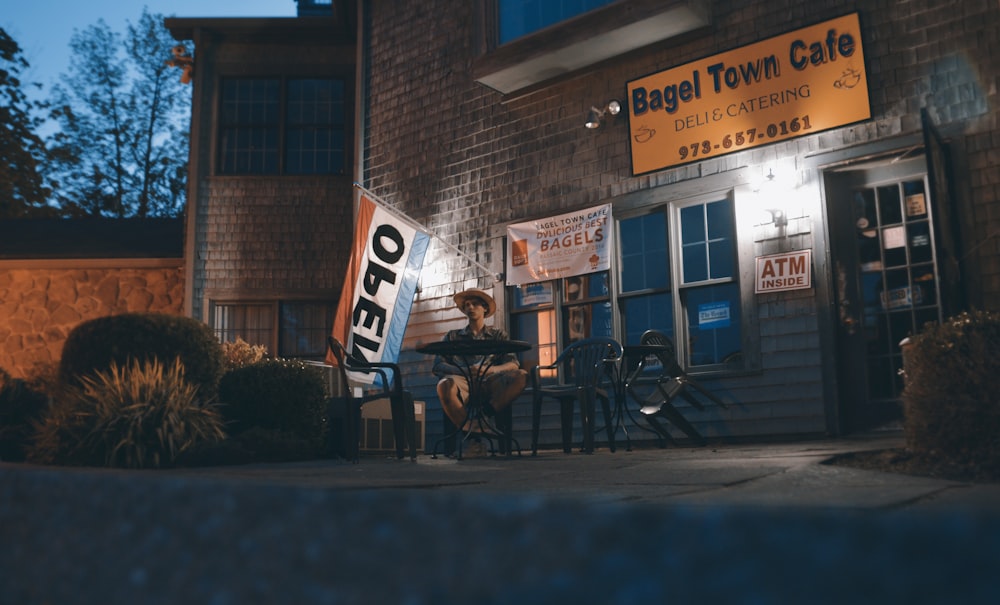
[{"x": 784, "y": 271}]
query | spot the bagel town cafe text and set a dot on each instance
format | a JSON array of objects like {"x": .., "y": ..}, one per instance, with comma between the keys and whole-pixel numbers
[
  {"x": 795, "y": 84},
  {"x": 569, "y": 244}
]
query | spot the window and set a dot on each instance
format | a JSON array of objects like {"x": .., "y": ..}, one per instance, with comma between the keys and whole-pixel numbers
[
  {"x": 709, "y": 293},
  {"x": 302, "y": 327},
  {"x": 534, "y": 319},
  {"x": 554, "y": 314},
  {"x": 676, "y": 272},
  {"x": 521, "y": 17},
  {"x": 274, "y": 126},
  {"x": 645, "y": 299},
  {"x": 254, "y": 323},
  {"x": 586, "y": 307}
]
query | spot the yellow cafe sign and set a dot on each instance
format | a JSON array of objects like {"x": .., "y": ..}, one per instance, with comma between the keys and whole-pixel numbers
[{"x": 792, "y": 85}]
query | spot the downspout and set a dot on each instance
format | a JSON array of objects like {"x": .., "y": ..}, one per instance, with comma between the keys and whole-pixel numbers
[
  {"x": 361, "y": 95},
  {"x": 191, "y": 207}
]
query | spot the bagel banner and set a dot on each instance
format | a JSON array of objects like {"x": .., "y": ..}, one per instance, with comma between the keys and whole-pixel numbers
[{"x": 569, "y": 244}]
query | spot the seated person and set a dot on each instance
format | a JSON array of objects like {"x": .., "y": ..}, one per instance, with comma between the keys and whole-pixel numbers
[{"x": 504, "y": 380}]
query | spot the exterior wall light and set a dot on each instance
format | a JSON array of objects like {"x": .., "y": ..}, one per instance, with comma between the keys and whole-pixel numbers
[
  {"x": 778, "y": 217},
  {"x": 594, "y": 115},
  {"x": 771, "y": 196}
]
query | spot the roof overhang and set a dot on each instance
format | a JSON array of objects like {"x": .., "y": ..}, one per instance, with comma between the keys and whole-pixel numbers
[{"x": 599, "y": 35}]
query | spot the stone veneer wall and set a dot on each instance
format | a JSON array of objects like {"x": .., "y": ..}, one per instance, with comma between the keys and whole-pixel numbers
[{"x": 41, "y": 301}]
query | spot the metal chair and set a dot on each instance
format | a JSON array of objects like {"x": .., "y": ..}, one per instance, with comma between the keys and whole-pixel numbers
[
  {"x": 404, "y": 424},
  {"x": 578, "y": 370},
  {"x": 671, "y": 382}
]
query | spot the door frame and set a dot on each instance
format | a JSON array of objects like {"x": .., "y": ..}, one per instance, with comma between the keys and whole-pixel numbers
[{"x": 815, "y": 166}]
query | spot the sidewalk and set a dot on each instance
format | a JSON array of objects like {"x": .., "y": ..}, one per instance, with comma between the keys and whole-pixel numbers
[
  {"x": 735, "y": 523},
  {"x": 779, "y": 475}
]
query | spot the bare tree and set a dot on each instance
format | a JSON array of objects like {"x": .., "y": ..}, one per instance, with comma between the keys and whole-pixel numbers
[
  {"x": 123, "y": 113},
  {"x": 22, "y": 153}
]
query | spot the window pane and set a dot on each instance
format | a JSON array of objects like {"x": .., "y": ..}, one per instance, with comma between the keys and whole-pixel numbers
[
  {"x": 304, "y": 329},
  {"x": 315, "y": 102},
  {"x": 540, "y": 329},
  {"x": 695, "y": 263},
  {"x": 533, "y": 295},
  {"x": 252, "y": 323},
  {"x": 314, "y": 141},
  {"x": 890, "y": 211},
  {"x": 692, "y": 225},
  {"x": 645, "y": 260},
  {"x": 587, "y": 321},
  {"x": 652, "y": 312},
  {"x": 707, "y": 241},
  {"x": 586, "y": 287},
  {"x": 721, "y": 258},
  {"x": 713, "y": 318},
  {"x": 521, "y": 17},
  {"x": 249, "y": 126},
  {"x": 720, "y": 220}
]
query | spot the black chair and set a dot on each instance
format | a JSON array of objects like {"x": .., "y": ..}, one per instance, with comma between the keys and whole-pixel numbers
[
  {"x": 404, "y": 424},
  {"x": 671, "y": 382},
  {"x": 577, "y": 375}
]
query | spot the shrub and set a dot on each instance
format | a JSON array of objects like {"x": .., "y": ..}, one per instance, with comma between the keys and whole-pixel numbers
[
  {"x": 240, "y": 353},
  {"x": 21, "y": 407},
  {"x": 951, "y": 400},
  {"x": 94, "y": 344},
  {"x": 275, "y": 394},
  {"x": 139, "y": 416}
]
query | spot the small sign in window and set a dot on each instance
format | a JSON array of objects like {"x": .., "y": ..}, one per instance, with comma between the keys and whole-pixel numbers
[{"x": 712, "y": 316}]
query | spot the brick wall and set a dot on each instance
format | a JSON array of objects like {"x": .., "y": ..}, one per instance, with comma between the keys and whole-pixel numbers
[{"x": 41, "y": 301}]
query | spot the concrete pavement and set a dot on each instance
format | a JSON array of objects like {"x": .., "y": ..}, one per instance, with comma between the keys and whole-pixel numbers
[
  {"x": 781, "y": 475},
  {"x": 761, "y": 523}
]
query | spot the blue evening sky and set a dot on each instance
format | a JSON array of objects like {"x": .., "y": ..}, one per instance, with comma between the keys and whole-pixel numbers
[{"x": 42, "y": 28}]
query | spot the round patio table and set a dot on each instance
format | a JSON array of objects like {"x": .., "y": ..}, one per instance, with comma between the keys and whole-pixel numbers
[{"x": 474, "y": 358}]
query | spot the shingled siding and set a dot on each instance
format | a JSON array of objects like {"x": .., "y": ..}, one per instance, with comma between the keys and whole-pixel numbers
[
  {"x": 41, "y": 301},
  {"x": 265, "y": 237},
  {"x": 463, "y": 160},
  {"x": 275, "y": 236}
]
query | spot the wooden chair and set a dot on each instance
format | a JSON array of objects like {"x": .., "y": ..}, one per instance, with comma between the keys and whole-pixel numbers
[
  {"x": 388, "y": 385},
  {"x": 671, "y": 382},
  {"x": 578, "y": 370}
]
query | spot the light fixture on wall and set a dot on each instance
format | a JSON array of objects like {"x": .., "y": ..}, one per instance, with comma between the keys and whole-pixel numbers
[
  {"x": 595, "y": 115},
  {"x": 778, "y": 217},
  {"x": 772, "y": 198}
]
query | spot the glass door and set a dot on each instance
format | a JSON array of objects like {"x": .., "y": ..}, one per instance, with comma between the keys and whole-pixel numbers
[
  {"x": 886, "y": 280},
  {"x": 898, "y": 280}
]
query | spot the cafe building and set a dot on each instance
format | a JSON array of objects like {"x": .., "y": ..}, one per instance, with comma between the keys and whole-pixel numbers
[{"x": 786, "y": 189}]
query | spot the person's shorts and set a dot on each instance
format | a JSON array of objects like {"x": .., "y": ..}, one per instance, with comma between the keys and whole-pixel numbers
[{"x": 496, "y": 384}]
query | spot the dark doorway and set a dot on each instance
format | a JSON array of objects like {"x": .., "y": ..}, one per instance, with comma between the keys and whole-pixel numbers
[{"x": 887, "y": 281}]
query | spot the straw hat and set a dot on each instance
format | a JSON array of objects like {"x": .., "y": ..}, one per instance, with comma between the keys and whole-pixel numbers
[{"x": 461, "y": 297}]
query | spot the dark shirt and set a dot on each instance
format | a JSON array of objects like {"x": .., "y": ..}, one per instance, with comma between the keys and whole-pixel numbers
[{"x": 443, "y": 368}]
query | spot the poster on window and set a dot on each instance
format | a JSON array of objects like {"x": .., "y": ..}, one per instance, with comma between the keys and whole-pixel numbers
[
  {"x": 569, "y": 244},
  {"x": 713, "y": 315}
]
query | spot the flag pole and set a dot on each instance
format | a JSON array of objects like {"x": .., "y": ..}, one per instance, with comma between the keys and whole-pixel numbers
[{"x": 399, "y": 215}]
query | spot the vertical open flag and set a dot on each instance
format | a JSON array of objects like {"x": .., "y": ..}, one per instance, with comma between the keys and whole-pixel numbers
[{"x": 381, "y": 281}]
